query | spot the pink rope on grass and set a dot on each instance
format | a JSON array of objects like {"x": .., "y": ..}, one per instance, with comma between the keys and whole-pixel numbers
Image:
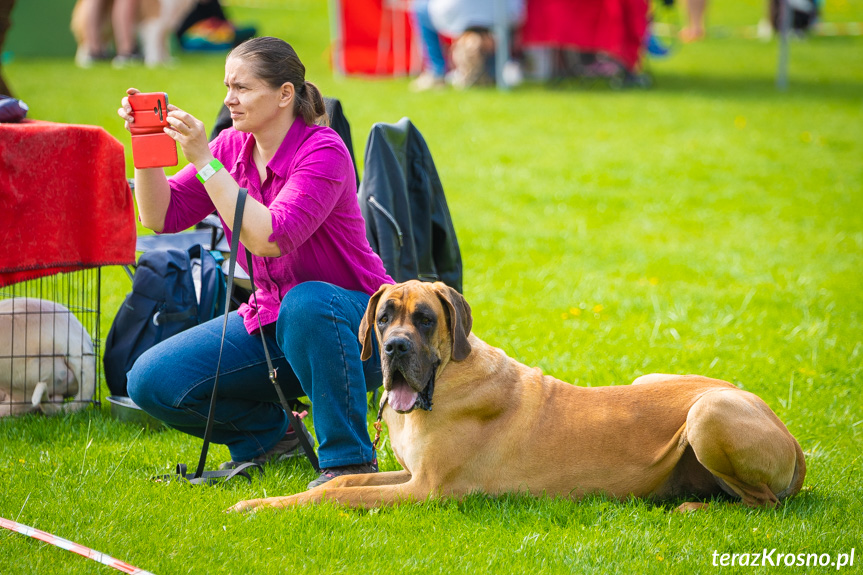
[{"x": 71, "y": 546}]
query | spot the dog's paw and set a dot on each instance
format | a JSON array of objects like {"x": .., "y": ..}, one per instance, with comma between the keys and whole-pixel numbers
[
  {"x": 243, "y": 507},
  {"x": 691, "y": 506}
]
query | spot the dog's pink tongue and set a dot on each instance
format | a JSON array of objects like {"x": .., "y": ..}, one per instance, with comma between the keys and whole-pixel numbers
[{"x": 402, "y": 397}]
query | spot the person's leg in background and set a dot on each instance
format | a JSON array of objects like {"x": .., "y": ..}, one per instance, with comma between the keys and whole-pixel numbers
[
  {"x": 318, "y": 331},
  {"x": 434, "y": 61},
  {"x": 94, "y": 20},
  {"x": 764, "y": 31},
  {"x": 123, "y": 19},
  {"x": 5, "y": 11},
  {"x": 695, "y": 16}
]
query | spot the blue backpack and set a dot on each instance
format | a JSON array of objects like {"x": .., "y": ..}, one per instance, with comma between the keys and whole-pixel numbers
[{"x": 163, "y": 302}]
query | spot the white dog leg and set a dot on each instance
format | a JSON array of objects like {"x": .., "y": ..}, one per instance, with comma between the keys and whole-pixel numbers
[{"x": 38, "y": 394}]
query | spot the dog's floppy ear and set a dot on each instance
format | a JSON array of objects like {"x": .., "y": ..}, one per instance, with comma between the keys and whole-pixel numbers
[
  {"x": 368, "y": 322},
  {"x": 460, "y": 319}
]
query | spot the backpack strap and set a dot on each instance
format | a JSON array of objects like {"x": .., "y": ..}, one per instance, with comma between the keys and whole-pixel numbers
[
  {"x": 235, "y": 248},
  {"x": 162, "y": 317}
]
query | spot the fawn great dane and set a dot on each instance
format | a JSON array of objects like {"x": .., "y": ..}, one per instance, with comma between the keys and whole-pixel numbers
[{"x": 464, "y": 417}]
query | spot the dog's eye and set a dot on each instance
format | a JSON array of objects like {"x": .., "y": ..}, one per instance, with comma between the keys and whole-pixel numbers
[
  {"x": 383, "y": 320},
  {"x": 426, "y": 321}
]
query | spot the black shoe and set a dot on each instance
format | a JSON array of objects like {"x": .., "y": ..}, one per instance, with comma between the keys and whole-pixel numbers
[{"x": 333, "y": 472}]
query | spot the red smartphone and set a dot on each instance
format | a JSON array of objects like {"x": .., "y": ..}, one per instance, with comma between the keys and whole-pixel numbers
[{"x": 151, "y": 146}]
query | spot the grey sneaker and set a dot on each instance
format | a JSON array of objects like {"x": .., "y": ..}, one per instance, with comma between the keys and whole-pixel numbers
[
  {"x": 333, "y": 472},
  {"x": 288, "y": 447}
]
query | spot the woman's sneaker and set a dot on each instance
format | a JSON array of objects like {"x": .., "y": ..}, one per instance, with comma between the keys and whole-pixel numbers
[
  {"x": 288, "y": 447},
  {"x": 333, "y": 472}
]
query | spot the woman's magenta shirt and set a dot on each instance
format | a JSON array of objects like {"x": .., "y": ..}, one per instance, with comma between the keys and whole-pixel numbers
[{"x": 311, "y": 193}]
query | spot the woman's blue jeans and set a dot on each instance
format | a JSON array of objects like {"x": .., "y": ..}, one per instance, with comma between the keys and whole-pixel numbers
[{"x": 315, "y": 348}]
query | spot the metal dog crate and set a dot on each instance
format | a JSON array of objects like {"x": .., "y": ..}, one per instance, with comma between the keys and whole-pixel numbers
[{"x": 80, "y": 293}]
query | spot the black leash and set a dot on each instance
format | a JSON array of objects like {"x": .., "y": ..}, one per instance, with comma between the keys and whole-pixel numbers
[
  {"x": 235, "y": 247},
  {"x": 378, "y": 422},
  {"x": 293, "y": 419}
]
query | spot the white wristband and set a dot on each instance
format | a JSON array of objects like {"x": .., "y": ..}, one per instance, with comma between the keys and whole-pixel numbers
[{"x": 209, "y": 170}]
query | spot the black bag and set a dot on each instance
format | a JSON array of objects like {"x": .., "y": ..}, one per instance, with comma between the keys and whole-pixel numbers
[
  {"x": 401, "y": 197},
  {"x": 163, "y": 302},
  {"x": 802, "y": 13}
]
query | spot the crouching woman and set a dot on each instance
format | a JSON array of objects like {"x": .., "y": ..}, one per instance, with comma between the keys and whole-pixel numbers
[{"x": 313, "y": 267}]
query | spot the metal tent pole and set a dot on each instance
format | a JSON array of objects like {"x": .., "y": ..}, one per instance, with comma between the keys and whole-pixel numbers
[
  {"x": 784, "y": 29},
  {"x": 501, "y": 43},
  {"x": 336, "y": 40}
]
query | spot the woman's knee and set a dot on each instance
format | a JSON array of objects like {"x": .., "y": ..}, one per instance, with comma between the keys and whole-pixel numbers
[
  {"x": 143, "y": 380},
  {"x": 306, "y": 299},
  {"x": 304, "y": 309},
  {"x": 316, "y": 314}
]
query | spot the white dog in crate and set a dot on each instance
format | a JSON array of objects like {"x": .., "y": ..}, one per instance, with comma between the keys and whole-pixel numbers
[{"x": 46, "y": 357}]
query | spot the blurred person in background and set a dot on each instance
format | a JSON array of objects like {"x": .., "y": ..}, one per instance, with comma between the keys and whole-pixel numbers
[
  {"x": 5, "y": 11},
  {"x": 434, "y": 60},
  {"x": 470, "y": 25},
  {"x": 695, "y": 28},
  {"x": 123, "y": 17},
  {"x": 207, "y": 28}
]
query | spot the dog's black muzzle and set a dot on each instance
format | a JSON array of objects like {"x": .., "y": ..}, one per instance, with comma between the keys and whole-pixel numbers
[{"x": 397, "y": 347}]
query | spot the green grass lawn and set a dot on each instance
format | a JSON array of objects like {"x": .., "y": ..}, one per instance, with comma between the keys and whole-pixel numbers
[{"x": 708, "y": 225}]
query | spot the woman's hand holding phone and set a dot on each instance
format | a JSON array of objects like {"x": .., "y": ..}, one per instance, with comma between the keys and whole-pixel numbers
[
  {"x": 146, "y": 118},
  {"x": 125, "y": 110},
  {"x": 190, "y": 133},
  {"x": 177, "y": 124}
]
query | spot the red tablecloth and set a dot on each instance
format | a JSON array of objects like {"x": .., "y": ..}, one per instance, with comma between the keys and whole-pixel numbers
[
  {"x": 616, "y": 27},
  {"x": 65, "y": 203}
]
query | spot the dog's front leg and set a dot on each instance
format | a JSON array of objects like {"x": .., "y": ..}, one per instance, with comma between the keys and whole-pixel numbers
[
  {"x": 367, "y": 496},
  {"x": 369, "y": 479}
]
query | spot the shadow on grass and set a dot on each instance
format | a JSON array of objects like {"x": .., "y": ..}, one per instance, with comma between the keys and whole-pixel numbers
[
  {"x": 715, "y": 86},
  {"x": 520, "y": 507},
  {"x": 749, "y": 87}
]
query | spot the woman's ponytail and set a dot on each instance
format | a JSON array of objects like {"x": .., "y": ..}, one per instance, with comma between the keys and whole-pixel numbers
[{"x": 310, "y": 105}]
